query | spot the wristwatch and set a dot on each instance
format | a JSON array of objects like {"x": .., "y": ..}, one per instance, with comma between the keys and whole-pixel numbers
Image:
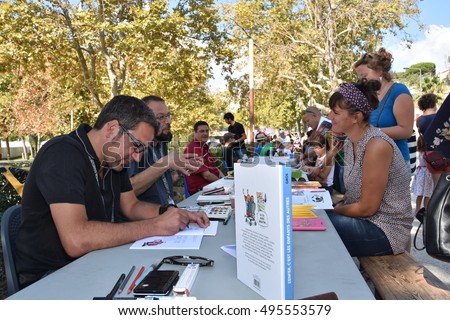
[{"x": 166, "y": 206}]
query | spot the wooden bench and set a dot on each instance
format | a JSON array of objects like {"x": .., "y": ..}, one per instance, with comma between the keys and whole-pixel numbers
[{"x": 401, "y": 277}]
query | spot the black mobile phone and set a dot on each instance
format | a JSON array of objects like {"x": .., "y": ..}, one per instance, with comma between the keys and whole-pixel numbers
[{"x": 159, "y": 282}]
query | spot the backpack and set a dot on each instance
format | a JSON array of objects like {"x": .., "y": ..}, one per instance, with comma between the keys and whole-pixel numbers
[{"x": 436, "y": 221}]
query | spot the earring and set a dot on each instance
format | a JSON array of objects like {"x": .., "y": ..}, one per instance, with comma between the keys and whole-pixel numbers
[{"x": 381, "y": 79}]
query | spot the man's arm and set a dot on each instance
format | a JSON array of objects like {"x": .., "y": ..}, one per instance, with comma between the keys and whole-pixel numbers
[
  {"x": 208, "y": 176},
  {"x": 175, "y": 161},
  {"x": 79, "y": 235}
]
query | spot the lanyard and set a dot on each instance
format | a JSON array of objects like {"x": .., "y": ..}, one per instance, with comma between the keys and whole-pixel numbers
[{"x": 94, "y": 167}]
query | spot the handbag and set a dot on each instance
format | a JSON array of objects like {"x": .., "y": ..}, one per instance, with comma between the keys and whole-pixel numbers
[
  {"x": 436, "y": 160},
  {"x": 435, "y": 220}
]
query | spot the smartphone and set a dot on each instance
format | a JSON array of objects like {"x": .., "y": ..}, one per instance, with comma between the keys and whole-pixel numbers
[{"x": 159, "y": 282}]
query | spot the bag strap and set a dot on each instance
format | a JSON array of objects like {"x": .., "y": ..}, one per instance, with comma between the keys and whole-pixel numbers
[
  {"x": 386, "y": 97},
  {"x": 415, "y": 238}
]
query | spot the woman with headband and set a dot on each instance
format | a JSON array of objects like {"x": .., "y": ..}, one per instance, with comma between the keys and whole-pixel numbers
[{"x": 375, "y": 217}]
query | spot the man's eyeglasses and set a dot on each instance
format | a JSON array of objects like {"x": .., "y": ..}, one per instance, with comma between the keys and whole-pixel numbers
[
  {"x": 138, "y": 146},
  {"x": 186, "y": 260},
  {"x": 164, "y": 116}
]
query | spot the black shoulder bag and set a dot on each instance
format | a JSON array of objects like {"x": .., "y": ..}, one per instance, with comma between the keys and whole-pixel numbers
[{"x": 436, "y": 221}]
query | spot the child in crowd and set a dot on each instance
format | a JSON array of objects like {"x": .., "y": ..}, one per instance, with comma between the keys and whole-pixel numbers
[
  {"x": 422, "y": 184},
  {"x": 321, "y": 172}
]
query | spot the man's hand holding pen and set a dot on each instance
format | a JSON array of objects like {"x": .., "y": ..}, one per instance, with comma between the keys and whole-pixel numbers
[{"x": 176, "y": 219}]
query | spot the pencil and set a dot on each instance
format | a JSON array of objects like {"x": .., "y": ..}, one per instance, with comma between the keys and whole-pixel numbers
[
  {"x": 122, "y": 286},
  {"x": 135, "y": 279},
  {"x": 116, "y": 286}
]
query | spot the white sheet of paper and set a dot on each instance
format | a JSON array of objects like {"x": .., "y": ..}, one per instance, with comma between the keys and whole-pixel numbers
[
  {"x": 320, "y": 198},
  {"x": 195, "y": 229},
  {"x": 170, "y": 242},
  {"x": 230, "y": 249}
]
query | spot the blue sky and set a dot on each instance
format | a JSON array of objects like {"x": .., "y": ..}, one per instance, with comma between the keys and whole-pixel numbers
[{"x": 431, "y": 44}]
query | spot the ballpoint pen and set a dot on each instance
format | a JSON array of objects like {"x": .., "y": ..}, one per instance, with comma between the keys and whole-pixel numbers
[
  {"x": 122, "y": 286},
  {"x": 135, "y": 279},
  {"x": 226, "y": 220}
]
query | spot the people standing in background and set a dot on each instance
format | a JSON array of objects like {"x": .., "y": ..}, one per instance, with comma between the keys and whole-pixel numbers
[
  {"x": 428, "y": 105},
  {"x": 239, "y": 135},
  {"x": 395, "y": 113},
  {"x": 437, "y": 141},
  {"x": 422, "y": 185}
]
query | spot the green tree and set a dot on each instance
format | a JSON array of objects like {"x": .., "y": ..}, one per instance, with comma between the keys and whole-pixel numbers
[
  {"x": 308, "y": 46},
  {"x": 93, "y": 50}
]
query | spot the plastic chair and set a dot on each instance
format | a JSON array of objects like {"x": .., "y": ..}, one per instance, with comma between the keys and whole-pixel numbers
[
  {"x": 11, "y": 220},
  {"x": 186, "y": 191}
]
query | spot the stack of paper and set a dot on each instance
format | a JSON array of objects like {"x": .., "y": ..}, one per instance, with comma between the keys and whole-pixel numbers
[
  {"x": 303, "y": 211},
  {"x": 214, "y": 199}
]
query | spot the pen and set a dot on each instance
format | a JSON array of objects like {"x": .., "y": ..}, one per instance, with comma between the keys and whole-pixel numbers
[
  {"x": 116, "y": 287},
  {"x": 226, "y": 220},
  {"x": 135, "y": 279},
  {"x": 122, "y": 286}
]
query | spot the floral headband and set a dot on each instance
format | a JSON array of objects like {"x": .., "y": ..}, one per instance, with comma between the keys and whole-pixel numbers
[{"x": 355, "y": 97}]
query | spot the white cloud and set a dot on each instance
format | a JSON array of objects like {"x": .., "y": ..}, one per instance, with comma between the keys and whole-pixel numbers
[{"x": 435, "y": 47}]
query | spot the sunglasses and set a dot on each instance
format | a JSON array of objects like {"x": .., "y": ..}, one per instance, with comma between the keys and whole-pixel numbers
[
  {"x": 138, "y": 146},
  {"x": 186, "y": 260}
]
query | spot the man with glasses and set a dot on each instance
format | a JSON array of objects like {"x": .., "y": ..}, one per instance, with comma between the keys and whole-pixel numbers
[
  {"x": 312, "y": 117},
  {"x": 77, "y": 187},
  {"x": 153, "y": 176}
]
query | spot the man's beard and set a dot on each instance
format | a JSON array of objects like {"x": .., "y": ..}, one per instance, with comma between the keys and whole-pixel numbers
[{"x": 164, "y": 137}]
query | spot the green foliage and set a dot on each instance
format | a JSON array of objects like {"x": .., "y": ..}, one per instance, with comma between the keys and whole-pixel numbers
[
  {"x": 422, "y": 78},
  {"x": 87, "y": 52},
  {"x": 304, "y": 49}
]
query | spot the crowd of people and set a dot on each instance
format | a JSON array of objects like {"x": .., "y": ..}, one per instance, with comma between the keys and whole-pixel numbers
[{"x": 113, "y": 183}]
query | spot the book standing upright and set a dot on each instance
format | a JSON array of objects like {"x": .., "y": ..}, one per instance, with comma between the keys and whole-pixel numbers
[{"x": 263, "y": 214}]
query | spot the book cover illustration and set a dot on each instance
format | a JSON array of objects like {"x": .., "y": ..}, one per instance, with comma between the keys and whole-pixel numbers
[{"x": 255, "y": 213}]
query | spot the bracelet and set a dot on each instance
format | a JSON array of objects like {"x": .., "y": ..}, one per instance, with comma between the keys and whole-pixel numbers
[{"x": 166, "y": 206}]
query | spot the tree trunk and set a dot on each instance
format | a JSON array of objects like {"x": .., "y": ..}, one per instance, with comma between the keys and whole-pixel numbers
[
  {"x": 25, "y": 151},
  {"x": 8, "y": 149}
]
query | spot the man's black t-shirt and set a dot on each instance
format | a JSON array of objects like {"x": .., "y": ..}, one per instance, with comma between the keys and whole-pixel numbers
[
  {"x": 63, "y": 172},
  {"x": 238, "y": 130}
]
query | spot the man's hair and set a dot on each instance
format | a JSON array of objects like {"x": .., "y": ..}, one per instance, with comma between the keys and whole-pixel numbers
[
  {"x": 129, "y": 111},
  {"x": 228, "y": 115},
  {"x": 312, "y": 109},
  {"x": 151, "y": 98},
  {"x": 200, "y": 123},
  {"x": 228, "y": 136}
]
